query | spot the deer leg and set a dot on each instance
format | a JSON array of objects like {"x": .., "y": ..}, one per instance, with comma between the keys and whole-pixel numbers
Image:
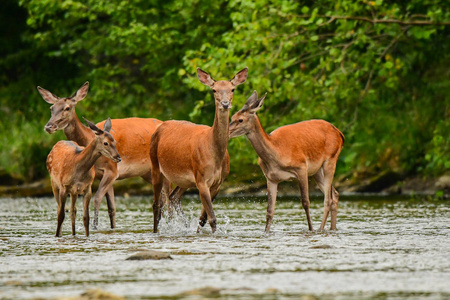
[
  {"x": 328, "y": 173},
  {"x": 203, "y": 215},
  {"x": 326, "y": 208},
  {"x": 321, "y": 183},
  {"x": 157, "y": 180},
  {"x": 73, "y": 211},
  {"x": 272, "y": 188},
  {"x": 86, "y": 200},
  {"x": 105, "y": 184},
  {"x": 61, "y": 212},
  {"x": 330, "y": 168},
  {"x": 334, "y": 207},
  {"x": 165, "y": 192},
  {"x": 205, "y": 197},
  {"x": 214, "y": 191},
  {"x": 175, "y": 199},
  {"x": 55, "y": 190},
  {"x": 148, "y": 177},
  {"x": 111, "y": 206},
  {"x": 203, "y": 219},
  {"x": 304, "y": 189}
]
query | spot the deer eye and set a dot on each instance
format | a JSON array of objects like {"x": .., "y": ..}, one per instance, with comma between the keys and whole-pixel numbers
[
  {"x": 232, "y": 90},
  {"x": 67, "y": 108},
  {"x": 214, "y": 91},
  {"x": 240, "y": 120},
  {"x": 105, "y": 143}
]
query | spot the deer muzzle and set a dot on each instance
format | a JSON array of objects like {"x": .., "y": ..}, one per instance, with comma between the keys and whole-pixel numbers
[
  {"x": 226, "y": 104},
  {"x": 50, "y": 128}
]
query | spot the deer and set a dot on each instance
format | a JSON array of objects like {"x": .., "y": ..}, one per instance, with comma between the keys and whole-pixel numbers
[
  {"x": 71, "y": 170},
  {"x": 133, "y": 141},
  {"x": 293, "y": 152},
  {"x": 192, "y": 155}
]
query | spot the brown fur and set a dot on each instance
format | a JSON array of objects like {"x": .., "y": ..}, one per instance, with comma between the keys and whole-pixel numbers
[
  {"x": 133, "y": 136},
  {"x": 71, "y": 170},
  {"x": 191, "y": 155},
  {"x": 293, "y": 152}
]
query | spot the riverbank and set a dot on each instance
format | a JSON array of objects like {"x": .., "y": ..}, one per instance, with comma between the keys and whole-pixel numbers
[{"x": 385, "y": 184}]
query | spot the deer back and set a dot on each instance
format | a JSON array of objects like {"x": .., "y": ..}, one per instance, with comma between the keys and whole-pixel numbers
[
  {"x": 313, "y": 140},
  {"x": 62, "y": 162}
]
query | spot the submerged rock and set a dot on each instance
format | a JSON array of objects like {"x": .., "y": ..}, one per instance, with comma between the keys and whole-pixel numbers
[
  {"x": 150, "y": 254},
  {"x": 205, "y": 292},
  {"x": 94, "y": 294},
  {"x": 13, "y": 282},
  {"x": 321, "y": 247}
]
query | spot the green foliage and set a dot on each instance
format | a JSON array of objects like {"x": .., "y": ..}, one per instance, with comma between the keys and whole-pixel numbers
[
  {"x": 373, "y": 81},
  {"x": 378, "y": 70},
  {"x": 437, "y": 154}
]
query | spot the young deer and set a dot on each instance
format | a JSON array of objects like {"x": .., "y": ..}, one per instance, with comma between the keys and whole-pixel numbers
[
  {"x": 191, "y": 155},
  {"x": 293, "y": 152},
  {"x": 133, "y": 142},
  {"x": 71, "y": 169}
]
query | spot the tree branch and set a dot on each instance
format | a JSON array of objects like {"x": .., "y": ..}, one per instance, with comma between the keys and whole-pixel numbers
[
  {"x": 379, "y": 21},
  {"x": 395, "y": 40}
]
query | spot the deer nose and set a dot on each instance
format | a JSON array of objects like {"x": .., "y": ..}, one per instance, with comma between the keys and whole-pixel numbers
[
  {"x": 118, "y": 159},
  {"x": 225, "y": 104},
  {"x": 50, "y": 128}
]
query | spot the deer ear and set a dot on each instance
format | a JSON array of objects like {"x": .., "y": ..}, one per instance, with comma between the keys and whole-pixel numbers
[
  {"x": 94, "y": 128},
  {"x": 81, "y": 93},
  {"x": 257, "y": 104},
  {"x": 48, "y": 96},
  {"x": 108, "y": 125},
  {"x": 205, "y": 78},
  {"x": 253, "y": 97},
  {"x": 240, "y": 77}
]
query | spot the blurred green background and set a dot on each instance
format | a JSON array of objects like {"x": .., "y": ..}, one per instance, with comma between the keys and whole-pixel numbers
[{"x": 378, "y": 70}]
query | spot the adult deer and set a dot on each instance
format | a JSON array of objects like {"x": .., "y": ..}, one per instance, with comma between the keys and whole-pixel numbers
[
  {"x": 71, "y": 169},
  {"x": 133, "y": 137},
  {"x": 293, "y": 152},
  {"x": 191, "y": 155}
]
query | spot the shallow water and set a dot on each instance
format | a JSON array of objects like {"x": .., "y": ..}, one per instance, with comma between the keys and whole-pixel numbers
[{"x": 383, "y": 249}]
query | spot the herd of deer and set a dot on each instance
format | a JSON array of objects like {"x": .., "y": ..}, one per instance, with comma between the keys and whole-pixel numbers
[{"x": 185, "y": 155}]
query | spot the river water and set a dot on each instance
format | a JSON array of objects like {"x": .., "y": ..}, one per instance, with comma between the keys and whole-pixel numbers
[{"x": 383, "y": 249}]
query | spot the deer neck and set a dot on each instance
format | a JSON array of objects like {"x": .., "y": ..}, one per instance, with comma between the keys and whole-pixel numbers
[
  {"x": 220, "y": 133},
  {"x": 261, "y": 141},
  {"x": 77, "y": 132},
  {"x": 88, "y": 157}
]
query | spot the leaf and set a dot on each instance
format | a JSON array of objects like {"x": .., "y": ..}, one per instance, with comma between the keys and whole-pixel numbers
[{"x": 389, "y": 64}]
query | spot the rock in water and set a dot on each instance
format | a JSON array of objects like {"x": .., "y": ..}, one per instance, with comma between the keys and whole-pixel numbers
[
  {"x": 205, "y": 292},
  {"x": 94, "y": 294},
  {"x": 321, "y": 247},
  {"x": 150, "y": 254}
]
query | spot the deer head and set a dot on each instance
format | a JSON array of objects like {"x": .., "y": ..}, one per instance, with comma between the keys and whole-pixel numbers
[
  {"x": 242, "y": 122},
  {"x": 104, "y": 140},
  {"x": 224, "y": 89},
  {"x": 63, "y": 109}
]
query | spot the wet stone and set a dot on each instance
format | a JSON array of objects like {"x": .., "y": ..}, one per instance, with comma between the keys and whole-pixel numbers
[
  {"x": 150, "y": 254},
  {"x": 205, "y": 292},
  {"x": 321, "y": 247},
  {"x": 95, "y": 294}
]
